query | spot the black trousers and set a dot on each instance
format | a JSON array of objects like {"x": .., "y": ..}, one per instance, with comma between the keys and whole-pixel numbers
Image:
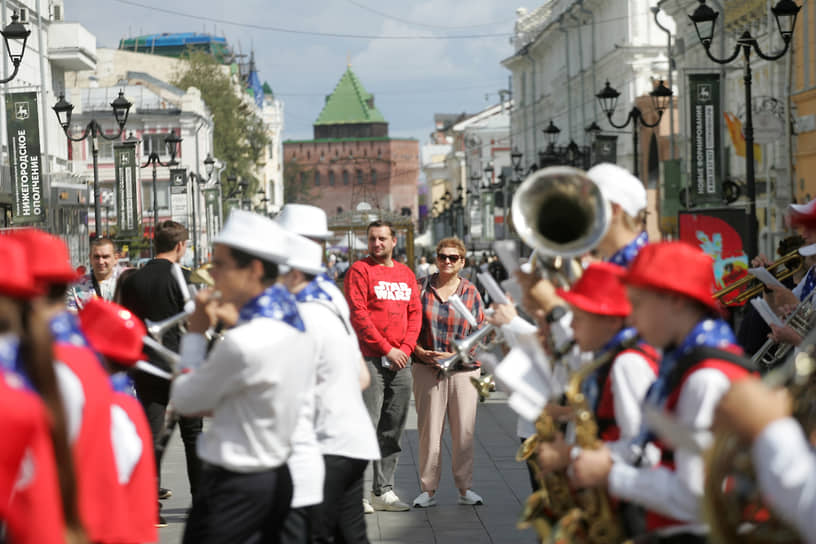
[
  {"x": 340, "y": 519},
  {"x": 298, "y": 527},
  {"x": 239, "y": 508},
  {"x": 155, "y": 407}
]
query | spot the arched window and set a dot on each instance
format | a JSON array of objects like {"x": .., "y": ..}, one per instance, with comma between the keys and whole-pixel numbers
[
  {"x": 373, "y": 177},
  {"x": 359, "y": 177},
  {"x": 317, "y": 178},
  {"x": 331, "y": 178},
  {"x": 345, "y": 177}
]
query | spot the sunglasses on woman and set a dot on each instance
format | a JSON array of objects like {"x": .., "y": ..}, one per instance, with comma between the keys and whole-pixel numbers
[{"x": 452, "y": 258}]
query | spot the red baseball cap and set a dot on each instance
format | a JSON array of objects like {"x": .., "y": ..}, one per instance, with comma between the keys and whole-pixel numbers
[
  {"x": 599, "y": 290},
  {"x": 16, "y": 280},
  {"x": 48, "y": 256},
  {"x": 113, "y": 331},
  {"x": 677, "y": 267}
]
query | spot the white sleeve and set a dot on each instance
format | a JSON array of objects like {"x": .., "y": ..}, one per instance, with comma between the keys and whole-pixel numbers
[
  {"x": 676, "y": 493},
  {"x": 518, "y": 326},
  {"x": 193, "y": 350},
  {"x": 786, "y": 468},
  {"x": 126, "y": 442},
  {"x": 631, "y": 376},
  {"x": 73, "y": 398},
  {"x": 201, "y": 389}
]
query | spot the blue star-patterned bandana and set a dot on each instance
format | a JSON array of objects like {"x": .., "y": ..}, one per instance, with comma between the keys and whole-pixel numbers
[
  {"x": 65, "y": 329},
  {"x": 312, "y": 292},
  {"x": 275, "y": 303},
  {"x": 715, "y": 333},
  {"x": 810, "y": 283},
  {"x": 590, "y": 387},
  {"x": 625, "y": 255},
  {"x": 121, "y": 383},
  {"x": 10, "y": 362}
]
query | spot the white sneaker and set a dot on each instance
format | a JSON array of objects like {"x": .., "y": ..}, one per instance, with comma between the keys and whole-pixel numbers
[
  {"x": 470, "y": 498},
  {"x": 388, "y": 501},
  {"x": 425, "y": 500},
  {"x": 367, "y": 508}
]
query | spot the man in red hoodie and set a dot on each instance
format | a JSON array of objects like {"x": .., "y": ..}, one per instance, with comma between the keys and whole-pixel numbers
[{"x": 386, "y": 315}]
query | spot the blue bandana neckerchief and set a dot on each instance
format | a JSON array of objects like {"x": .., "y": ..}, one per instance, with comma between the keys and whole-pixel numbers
[
  {"x": 65, "y": 329},
  {"x": 591, "y": 388},
  {"x": 625, "y": 255},
  {"x": 275, "y": 303},
  {"x": 121, "y": 383},
  {"x": 715, "y": 333},
  {"x": 810, "y": 283},
  {"x": 313, "y": 291},
  {"x": 10, "y": 362}
]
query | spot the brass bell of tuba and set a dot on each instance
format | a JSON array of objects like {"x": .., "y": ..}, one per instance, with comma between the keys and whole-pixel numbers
[{"x": 560, "y": 212}]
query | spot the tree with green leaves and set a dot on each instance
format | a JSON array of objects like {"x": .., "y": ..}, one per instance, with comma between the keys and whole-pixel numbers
[
  {"x": 298, "y": 184},
  {"x": 239, "y": 137}
]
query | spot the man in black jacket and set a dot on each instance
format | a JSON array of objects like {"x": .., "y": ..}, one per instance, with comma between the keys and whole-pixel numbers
[{"x": 155, "y": 292}]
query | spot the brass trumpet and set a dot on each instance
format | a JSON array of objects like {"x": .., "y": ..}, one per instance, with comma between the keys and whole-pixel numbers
[{"x": 782, "y": 268}]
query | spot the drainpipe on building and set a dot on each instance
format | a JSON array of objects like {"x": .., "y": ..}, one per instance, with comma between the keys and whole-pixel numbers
[
  {"x": 591, "y": 15},
  {"x": 563, "y": 28},
  {"x": 534, "y": 101},
  {"x": 789, "y": 123},
  {"x": 46, "y": 164},
  {"x": 584, "y": 123}
]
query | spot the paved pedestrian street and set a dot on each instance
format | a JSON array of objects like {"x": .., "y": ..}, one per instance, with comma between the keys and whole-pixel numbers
[{"x": 498, "y": 478}]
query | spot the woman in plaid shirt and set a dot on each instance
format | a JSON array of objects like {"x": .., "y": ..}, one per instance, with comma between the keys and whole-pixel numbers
[{"x": 452, "y": 395}]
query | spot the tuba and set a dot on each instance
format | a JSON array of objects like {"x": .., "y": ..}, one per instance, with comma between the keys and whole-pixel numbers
[
  {"x": 560, "y": 212},
  {"x": 802, "y": 320},
  {"x": 732, "y": 502}
]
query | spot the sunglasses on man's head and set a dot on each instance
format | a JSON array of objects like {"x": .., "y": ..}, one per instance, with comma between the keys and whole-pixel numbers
[{"x": 452, "y": 258}]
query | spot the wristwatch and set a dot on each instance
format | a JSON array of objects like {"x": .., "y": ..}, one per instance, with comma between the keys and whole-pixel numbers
[{"x": 556, "y": 314}]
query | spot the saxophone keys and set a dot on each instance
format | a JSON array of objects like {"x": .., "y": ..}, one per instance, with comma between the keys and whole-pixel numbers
[{"x": 527, "y": 448}]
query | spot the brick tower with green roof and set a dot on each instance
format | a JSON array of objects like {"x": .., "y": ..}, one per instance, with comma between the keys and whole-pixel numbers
[
  {"x": 352, "y": 159},
  {"x": 350, "y": 112}
]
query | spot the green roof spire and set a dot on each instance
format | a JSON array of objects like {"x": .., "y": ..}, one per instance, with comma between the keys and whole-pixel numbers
[{"x": 350, "y": 103}]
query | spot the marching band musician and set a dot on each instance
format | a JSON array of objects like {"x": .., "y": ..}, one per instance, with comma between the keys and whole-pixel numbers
[
  {"x": 782, "y": 454},
  {"x": 116, "y": 335},
  {"x": 670, "y": 286},
  {"x": 37, "y": 487},
  {"x": 599, "y": 311},
  {"x": 252, "y": 382},
  {"x": 85, "y": 388},
  {"x": 344, "y": 429},
  {"x": 781, "y": 299}
]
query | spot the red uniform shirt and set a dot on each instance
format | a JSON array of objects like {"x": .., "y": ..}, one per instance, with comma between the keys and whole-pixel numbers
[
  {"x": 385, "y": 308},
  {"x": 30, "y": 503},
  {"x": 101, "y": 507}
]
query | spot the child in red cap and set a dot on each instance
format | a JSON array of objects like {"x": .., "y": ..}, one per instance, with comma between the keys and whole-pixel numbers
[
  {"x": 670, "y": 286},
  {"x": 116, "y": 335}
]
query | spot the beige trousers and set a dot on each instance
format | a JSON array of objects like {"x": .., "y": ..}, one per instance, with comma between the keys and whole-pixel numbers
[{"x": 456, "y": 398}]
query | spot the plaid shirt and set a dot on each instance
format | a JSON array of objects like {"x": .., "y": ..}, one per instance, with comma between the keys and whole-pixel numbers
[{"x": 441, "y": 325}]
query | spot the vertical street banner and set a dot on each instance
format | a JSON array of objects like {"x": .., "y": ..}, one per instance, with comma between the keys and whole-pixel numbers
[
  {"x": 127, "y": 199},
  {"x": 211, "y": 207},
  {"x": 23, "y": 127},
  {"x": 704, "y": 108},
  {"x": 488, "y": 219},
  {"x": 606, "y": 149},
  {"x": 178, "y": 196}
]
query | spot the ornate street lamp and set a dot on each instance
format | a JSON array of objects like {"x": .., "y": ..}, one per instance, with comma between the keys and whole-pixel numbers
[
  {"x": 64, "y": 109},
  {"x": 15, "y": 35},
  {"x": 608, "y": 98},
  {"x": 171, "y": 142},
  {"x": 704, "y": 18},
  {"x": 552, "y": 133}
]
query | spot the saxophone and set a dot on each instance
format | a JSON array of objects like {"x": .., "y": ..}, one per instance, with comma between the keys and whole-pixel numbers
[
  {"x": 583, "y": 516},
  {"x": 732, "y": 502},
  {"x": 594, "y": 516}
]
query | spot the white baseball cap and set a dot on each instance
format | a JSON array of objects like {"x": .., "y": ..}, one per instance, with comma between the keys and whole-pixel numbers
[
  {"x": 254, "y": 234},
  {"x": 306, "y": 220},
  {"x": 620, "y": 187}
]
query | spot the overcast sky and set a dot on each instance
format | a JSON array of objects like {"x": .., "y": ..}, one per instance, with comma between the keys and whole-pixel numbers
[{"x": 411, "y": 78}]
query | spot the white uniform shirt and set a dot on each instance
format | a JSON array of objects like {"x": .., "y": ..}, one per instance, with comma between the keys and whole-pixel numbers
[
  {"x": 255, "y": 382},
  {"x": 677, "y": 493},
  {"x": 342, "y": 423},
  {"x": 786, "y": 467}
]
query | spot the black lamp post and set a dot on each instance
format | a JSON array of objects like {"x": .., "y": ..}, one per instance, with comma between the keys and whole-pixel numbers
[
  {"x": 171, "y": 143},
  {"x": 15, "y": 34},
  {"x": 704, "y": 19},
  {"x": 64, "y": 109},
  {"x": 608, "y": 97},
  {"x": 209, "y": 165},
  {"x": 571, "y": 154}
]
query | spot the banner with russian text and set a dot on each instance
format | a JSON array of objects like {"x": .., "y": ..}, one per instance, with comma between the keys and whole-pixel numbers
[
  {"x": 127, "y": 200},
  {"x": 23, "y": 127},
  {"x": 704, "y": 108},
  {"x": 178, "y": 196},
  {"x": 213, "y": 217}
]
